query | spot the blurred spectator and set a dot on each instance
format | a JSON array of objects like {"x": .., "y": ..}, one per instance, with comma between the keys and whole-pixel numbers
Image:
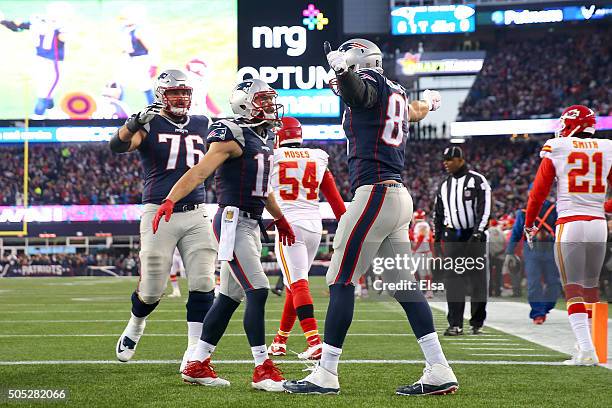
[
  {"x": 517, "y": 82},
  {"x": 89, "y": 174}
]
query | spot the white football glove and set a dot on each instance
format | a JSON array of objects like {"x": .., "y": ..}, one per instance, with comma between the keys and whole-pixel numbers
[
  {"x": 433, "y": 99},
  {"x": 147, "y": 114},
  {"x": 337, "y": 62},
  {"x": 508, "y": 260},
  {"x": 530, "y": 232}
]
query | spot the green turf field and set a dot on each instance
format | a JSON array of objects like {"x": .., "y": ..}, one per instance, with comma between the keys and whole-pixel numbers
[{"x": 69, "y": 326}]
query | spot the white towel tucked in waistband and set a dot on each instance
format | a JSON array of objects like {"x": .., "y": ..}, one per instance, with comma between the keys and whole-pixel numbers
[{"x": 229, "y": 221}]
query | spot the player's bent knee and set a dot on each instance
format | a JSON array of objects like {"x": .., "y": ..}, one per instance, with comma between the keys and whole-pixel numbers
[{"x": 149, "y": 299}]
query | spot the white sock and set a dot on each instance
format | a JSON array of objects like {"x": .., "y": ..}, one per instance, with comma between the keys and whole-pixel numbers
[
  {"x": 260, "y": 354},
  {"x": 194, "y": 331},
  {"x": 432, "y": 350},
  {"x": 203, "y": 351},
  {"x": 175, "y": 286},
  {"x": 580, "y": 326},
  {"x": 330, "y": 358},
  {"x": 135, "y": 326}
]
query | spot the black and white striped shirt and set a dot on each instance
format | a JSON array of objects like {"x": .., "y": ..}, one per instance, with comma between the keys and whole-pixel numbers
[{"x": 463, "y": 202}]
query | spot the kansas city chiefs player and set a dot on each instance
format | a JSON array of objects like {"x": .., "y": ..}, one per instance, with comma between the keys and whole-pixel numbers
[
  {"x": 580, "y": 163},
  {"x": 421, "y": 236},
  {"x": 299, "y": 173}
]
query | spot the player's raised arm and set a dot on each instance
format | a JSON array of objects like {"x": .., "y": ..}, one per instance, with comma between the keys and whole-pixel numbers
[
  {"x": 129, "y": 136},
  {"x": 354, "y": 91}
]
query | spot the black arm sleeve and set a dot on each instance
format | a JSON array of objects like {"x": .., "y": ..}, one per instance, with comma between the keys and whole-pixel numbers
[
  {"x": 117, "y": 145},
  {"x": 356, "y": 92},
  {"x": 438, "y": 217},
  {"x": 11, "y": 25}
]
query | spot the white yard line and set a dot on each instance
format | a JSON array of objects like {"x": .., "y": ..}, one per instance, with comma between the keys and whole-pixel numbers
[
  {"x": 498, "y": 348},
  {"x": 183, "y": 335},
  {"x": 512, "y": 355},
  {"x": 104, "y": 362}
]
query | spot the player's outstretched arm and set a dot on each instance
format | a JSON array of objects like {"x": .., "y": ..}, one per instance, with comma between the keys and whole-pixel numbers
[
  {"x": 285, "y": 232},
  {"x": 431, "y": 101},
  {"x": 217, "y": 153}
]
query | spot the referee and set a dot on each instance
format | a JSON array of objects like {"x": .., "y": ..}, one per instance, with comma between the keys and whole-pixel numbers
[{"x": 462, "y": 208}]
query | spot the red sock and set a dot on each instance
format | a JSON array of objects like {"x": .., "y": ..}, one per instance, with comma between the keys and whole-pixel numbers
[
  {"x": 289, "y": 315},
  {"x": 311, "y": 331}
]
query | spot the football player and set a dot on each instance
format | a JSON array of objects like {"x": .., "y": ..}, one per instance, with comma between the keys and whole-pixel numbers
[
  {"x": 177, "y": 268},
  {"x": 376, "y": 223},
  {"x": 140, "y": 52},
  {"x": 169, "y": 141},
  {"x": 49, "y": 32},
  {"x": 581, "y": 165},
  {"x": 241, "y": 152},
  {"x": 422, "y": 236},
  {"x": 299, "y": 173}
]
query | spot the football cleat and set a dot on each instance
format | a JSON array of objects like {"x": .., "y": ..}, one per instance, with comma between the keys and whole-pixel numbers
[
  {"x": 320, "y": 381},
  {"x": 267, "y": 377},
  {"x": 477, "y": 330},
  {"x": 126, "y": 345},
  {"x": 312, "y": 352},
  {"x": 437, "y": 379},
  {"x": 278, "y": 346},
  {"x": 583, "y": 358},
  {"x": 187, "y": 357},
  {"x": 202, "y": 373},
  {"x": 175, "y": 294},
  {"x": 454, "y": 331},
  {"x": 539, "y": 319}
]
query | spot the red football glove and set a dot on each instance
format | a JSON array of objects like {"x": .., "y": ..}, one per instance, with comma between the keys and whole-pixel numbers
[
  {"x": 608, "y": 206},
  {"x": 285, "y": 232},
  {"x": 164, "y": 210}
]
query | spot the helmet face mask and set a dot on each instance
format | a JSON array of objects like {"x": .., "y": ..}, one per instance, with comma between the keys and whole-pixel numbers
[
  {"x": 177, "y": 100},
  {"x": 255, "y": 101},
  {"x": 172, "y": 90},
  {"x": 576, "y": 119}
]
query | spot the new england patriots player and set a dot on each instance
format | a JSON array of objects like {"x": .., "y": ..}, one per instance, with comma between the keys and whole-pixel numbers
[
  {"x": 241, "y": 152},
  {"x": 375, "y": 224},
  {"x": 170, "y": 142}
]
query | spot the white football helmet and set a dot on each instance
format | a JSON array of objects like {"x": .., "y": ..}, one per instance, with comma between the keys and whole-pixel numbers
[
  {"x": 255, "y": 101},
  {"x": 169, "y": 80},
  {"x": 361, "y": 53}
]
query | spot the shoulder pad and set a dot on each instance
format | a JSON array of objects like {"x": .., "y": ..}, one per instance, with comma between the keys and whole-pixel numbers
[{"x": 226, "y": 130}]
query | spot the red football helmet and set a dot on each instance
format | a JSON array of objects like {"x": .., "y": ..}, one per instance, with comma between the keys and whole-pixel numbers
[
  {"x": 419, "y": 215},
  {"x": 576, "y": 119},
  {"x": 290, "y": 132}
]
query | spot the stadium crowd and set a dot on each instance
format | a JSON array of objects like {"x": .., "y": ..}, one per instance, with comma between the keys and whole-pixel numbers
[
  {"x": 89, "y": 174},
  {"x": 517, "y": 83},
  {"x": 78, "y": 263}
]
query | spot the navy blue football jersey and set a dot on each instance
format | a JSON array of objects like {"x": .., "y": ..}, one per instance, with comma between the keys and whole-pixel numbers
[
  {"x": 168, "y": 151},
  {"x": 243, "y": 181},
  {"x": 377, "y": 136}
]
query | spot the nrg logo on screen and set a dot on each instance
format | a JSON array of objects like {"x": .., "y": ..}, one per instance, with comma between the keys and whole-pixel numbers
[{"x": 293, "y": 37}]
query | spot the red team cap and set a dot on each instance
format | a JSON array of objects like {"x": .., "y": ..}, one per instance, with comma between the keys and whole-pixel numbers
[
  {"x": 576, "y": 119},
  {"x": 290, "y": 131}
]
